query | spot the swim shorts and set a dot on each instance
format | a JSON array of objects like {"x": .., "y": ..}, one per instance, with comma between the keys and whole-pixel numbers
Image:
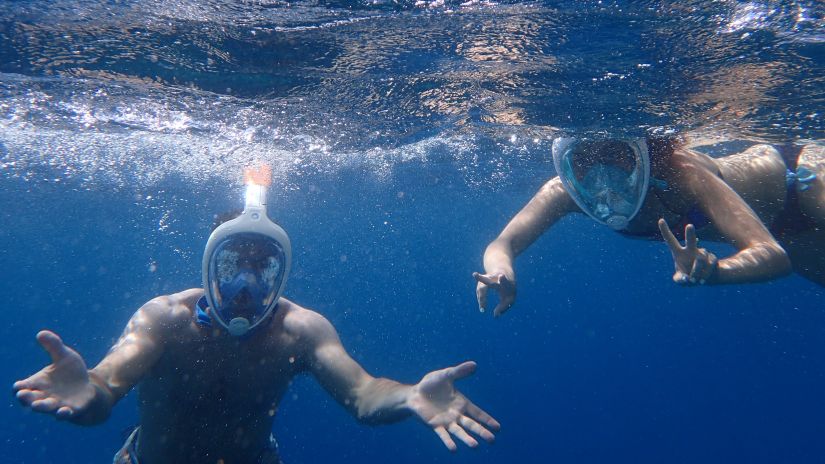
[{"x": 128, "y": 453}]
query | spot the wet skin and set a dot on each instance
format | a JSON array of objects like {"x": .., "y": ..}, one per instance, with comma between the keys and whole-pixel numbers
[
  {"x": 205, "y": 395},
  {"x": 741, "y": 194}
]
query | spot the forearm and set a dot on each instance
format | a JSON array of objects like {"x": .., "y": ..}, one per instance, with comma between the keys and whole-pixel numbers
[
  {"x": 549, "y": 205},
  {"x": 754, "y": 264},
  {"x": 100, "y": 406},
  {"x": 381, "y": 401}
]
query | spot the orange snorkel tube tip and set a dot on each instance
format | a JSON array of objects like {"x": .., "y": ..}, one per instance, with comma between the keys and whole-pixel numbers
[{"x": 259, "y": 175}]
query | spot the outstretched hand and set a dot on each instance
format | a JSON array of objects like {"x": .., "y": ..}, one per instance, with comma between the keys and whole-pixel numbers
[
  {"x": 505, "y": 287},
  {"x": 447, "y": 411},
  {"x": 693, "y": 265},
  {"x": 62, "y": 388}
]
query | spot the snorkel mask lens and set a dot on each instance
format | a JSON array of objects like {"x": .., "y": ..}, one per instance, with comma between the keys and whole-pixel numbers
[
  {"x": 246, "y": 271},
  {"x": 607, "y": 179}
]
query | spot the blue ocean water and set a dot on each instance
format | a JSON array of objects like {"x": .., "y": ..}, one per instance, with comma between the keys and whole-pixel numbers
[{"x": 403, "y": 136}]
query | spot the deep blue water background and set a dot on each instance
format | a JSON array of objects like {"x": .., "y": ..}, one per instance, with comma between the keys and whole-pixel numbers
[{"x": 403, "y": 141}]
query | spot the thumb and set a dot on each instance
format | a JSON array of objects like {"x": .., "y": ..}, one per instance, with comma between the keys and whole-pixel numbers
[
  {"x": 53, "y": 345},
  {"x": 462, "y": 370},
  {"x": 486, "y": 279}
]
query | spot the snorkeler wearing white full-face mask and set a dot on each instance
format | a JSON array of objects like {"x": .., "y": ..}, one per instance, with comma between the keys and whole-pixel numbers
[
  {"x": 212, "y": 365},
  {"x": 768, "y": 203}
]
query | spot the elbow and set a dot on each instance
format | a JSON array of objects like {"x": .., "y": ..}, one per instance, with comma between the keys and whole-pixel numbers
[
  {"x": 774, "y": 261},
  {"x": 758, "y": 263}
]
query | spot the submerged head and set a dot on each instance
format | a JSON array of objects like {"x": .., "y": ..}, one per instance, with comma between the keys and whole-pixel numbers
[
  {"x": 245, "y": 266},
  {"x": 607, "y": 179}
]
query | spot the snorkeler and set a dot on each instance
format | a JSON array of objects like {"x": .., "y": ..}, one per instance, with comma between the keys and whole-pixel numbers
[
  {"x": 658, "y": 188},
  {"x": 212, "y": 364}
]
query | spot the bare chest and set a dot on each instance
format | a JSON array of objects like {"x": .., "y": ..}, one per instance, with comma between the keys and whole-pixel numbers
[
  {"x": 222, "y": 374},
  {"x": 212, "y": 397}
]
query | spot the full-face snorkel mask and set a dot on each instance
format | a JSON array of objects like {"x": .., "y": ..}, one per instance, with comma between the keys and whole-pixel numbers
[
  {"x": 607, "y": 179},
  {"x": 246, "y": 263}
]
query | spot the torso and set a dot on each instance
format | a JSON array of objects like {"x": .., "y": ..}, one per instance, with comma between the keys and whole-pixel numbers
[
  {"x": 213, "y": 397},
  {"x": 756, "y": 175}
]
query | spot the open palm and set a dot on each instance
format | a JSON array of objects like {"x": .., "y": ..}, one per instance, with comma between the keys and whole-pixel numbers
[
  {"x": 436, "y": 401},
  {"x": 62, "y": 388}
]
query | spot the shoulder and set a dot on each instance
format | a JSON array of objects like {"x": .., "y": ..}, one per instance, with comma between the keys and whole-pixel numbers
[
  {"x": 685, "y": 168},
  {"x": 554, "y": 189},
  {"x": 305, "y": 324},
  {"x": 168, "y": 312}
]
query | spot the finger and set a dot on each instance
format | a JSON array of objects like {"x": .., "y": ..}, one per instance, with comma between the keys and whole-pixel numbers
[
  {"x": 476, "y": 428},
  {"x": 462, "y": 435},
  {"x": 504, "y": 305},
  {"x": 45, "y": 405},
  {"x": 492, "y": 280},
  {"x": 670, "y": 239},
  {"x": 27, "y": 397},
  {"x": 22, "y": 384},
  {"x": 445, "y": 438},
  {"x": 34, "y": 382},
  {"x": 680, "y": 278},
  {"x": 65, "y": 413},
  {"x": 478, "y": 414},
  {"x": 461, "y": 371},
  {"x": 52, "y": 344},
  {"x": 690, "y": 238},
  {"x": 481, "y": 296}
]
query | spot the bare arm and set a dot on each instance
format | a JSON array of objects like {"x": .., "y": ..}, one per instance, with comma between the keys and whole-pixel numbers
[
  {"x": 370, "y": 399},
  {"x": 760, "y": 257},
  {"x": 69, "y": 391},
  {"x": 374, "y": 400},
  {"x": 141, "y": 344},
  {"x": 549, "y": 205}
]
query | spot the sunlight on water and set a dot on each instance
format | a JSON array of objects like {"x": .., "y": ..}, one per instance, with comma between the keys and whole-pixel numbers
[
  {"x": 140, "y": 141},
  {"x": 134, "y": 94}
]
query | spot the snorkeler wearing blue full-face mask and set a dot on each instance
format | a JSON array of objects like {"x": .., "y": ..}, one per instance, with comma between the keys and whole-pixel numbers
[
  {"x": 607, "y": 179},
  {"x": 659, "y": 188},
  {"x": 213, "y": 364}
]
